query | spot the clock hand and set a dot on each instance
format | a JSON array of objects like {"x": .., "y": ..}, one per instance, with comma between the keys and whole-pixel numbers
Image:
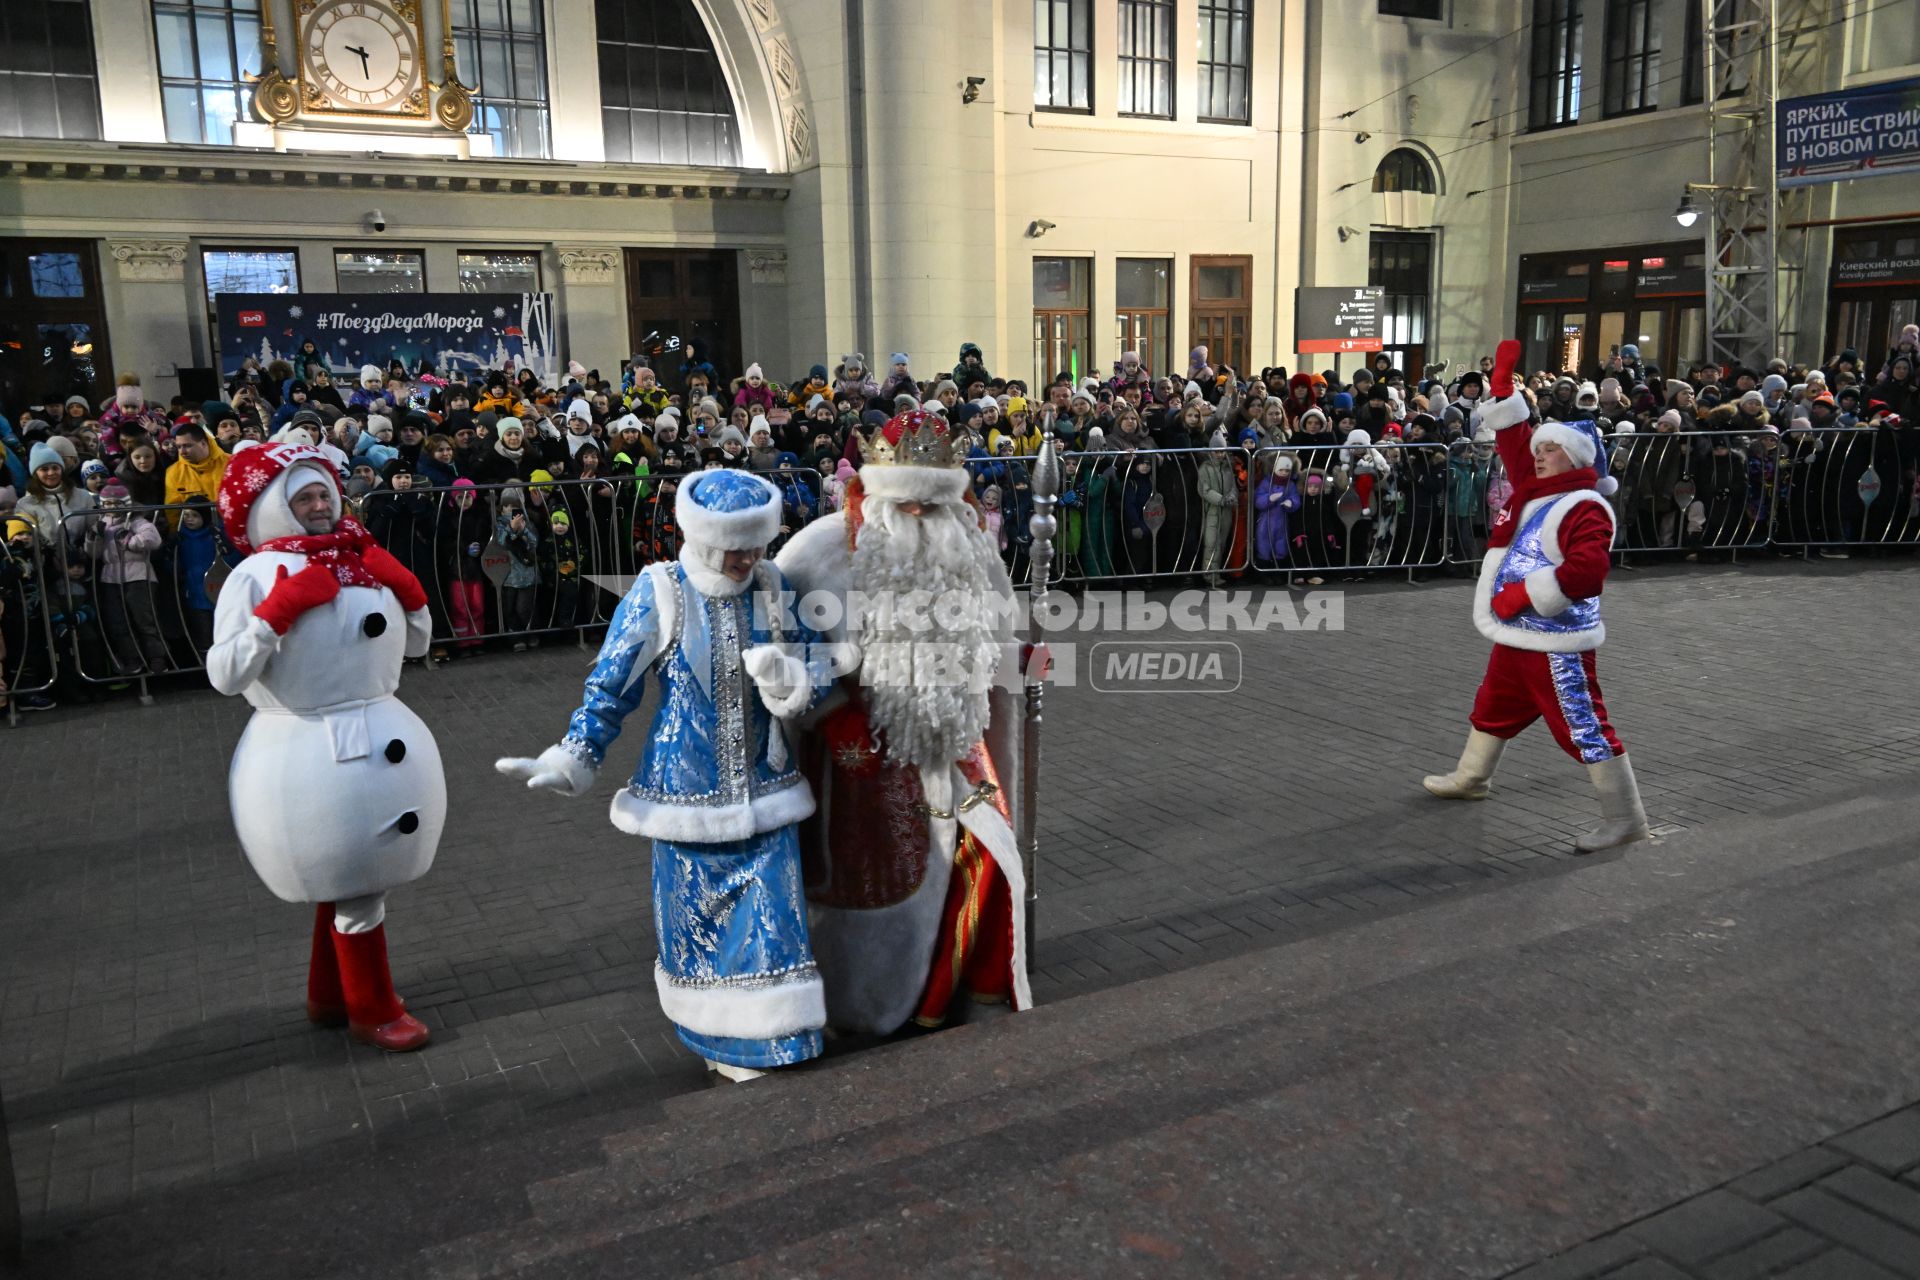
[{"x": 366, "y": 71}]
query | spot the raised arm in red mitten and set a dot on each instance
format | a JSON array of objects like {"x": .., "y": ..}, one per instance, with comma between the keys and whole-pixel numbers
[
  {"x": 293, "y": 595},
  {"x": 394, "y": 576},
  {"x": 1506, "y": 358}
]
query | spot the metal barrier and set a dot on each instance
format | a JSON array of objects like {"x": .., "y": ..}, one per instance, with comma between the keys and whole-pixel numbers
[
  {"x": 1691, "y": 492},
  {"x": 1387, "y": 507},
  {"x": 1847, "y": 487},
  {"x": 1146, "y": 513},
  {"x": 29, "y": 660},
  {"x": 137, "y": 605}
]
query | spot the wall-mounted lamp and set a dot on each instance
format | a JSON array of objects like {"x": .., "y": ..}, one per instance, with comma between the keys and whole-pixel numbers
[
  {"x": 1346, "y": 233},
  {"x": 1687, "y": 212},
  {"x": 972, "y": 92},
  {"x": 1362, "y": 136},
  {"x": 1038, "y": 227}
]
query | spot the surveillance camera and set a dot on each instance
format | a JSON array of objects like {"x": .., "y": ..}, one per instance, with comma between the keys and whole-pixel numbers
[
  {"x": 377, "y": 220},
  {"x": 1039, "y": 227}
]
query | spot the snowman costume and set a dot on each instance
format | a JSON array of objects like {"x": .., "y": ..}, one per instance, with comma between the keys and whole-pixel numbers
[
  {"x": 718, "y": 790},
  {"x": 336, "y": 787},
  {"x": 1538, "y": 600}
]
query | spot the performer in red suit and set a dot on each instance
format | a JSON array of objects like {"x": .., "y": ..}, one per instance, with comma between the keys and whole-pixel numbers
[
  {"x": 912, "y": 871},
  {"x": 1538, "y": 600}
]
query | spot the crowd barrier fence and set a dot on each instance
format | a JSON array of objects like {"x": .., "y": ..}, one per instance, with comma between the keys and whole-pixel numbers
[{"x": 121, "y": 598}]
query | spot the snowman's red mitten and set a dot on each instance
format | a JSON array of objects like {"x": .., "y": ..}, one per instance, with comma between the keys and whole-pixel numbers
[{"x": 292, "y": 595}]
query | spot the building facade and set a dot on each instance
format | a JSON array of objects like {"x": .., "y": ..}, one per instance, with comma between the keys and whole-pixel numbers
[{"x": 792, "y": 180}]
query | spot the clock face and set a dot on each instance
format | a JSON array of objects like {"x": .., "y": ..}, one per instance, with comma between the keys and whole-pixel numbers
[{"x": 361, "y": 55}]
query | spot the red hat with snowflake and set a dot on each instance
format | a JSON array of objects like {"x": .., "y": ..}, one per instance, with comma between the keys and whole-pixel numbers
[{"x": 256, "y": 490}]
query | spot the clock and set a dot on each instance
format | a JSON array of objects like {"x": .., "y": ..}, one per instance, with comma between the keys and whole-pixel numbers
[{"x": 361, "y": 57}]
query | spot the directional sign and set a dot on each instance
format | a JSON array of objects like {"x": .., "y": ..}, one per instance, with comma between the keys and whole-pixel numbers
[{"x": 1333, "y": 320}]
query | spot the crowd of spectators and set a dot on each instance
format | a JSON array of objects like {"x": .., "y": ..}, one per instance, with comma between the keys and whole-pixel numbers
[{"x": 509, "y": 495}]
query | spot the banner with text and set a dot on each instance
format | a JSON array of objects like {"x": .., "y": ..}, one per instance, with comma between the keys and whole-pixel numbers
[
  {"x": 1868, "y": 132},
  {"x": 455, "y": 333}
]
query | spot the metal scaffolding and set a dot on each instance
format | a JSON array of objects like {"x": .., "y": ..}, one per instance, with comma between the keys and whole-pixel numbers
[{"x": 1757, "y": 51}]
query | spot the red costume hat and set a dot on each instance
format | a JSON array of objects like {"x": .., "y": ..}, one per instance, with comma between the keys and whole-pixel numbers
[{"x": 266, "y": 472}]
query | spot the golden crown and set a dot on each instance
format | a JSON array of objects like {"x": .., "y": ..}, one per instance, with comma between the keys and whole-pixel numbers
[{"x": 915, "y": 438}]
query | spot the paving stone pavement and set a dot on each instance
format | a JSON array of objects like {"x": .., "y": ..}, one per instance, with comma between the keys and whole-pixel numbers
[
  {"x": 151, "y": 1033},
  {"x": 1844, "y": 1209}
]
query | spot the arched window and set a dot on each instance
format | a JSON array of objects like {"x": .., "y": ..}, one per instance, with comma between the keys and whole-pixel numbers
[
  {"x": 663, "y": 98},
  {"x": 1404, "y": 169}
]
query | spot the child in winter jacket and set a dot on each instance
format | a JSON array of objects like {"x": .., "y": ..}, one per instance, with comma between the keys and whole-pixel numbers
[
  {"x": 514, "y": 531},
  {"x": 752, "y": 392},
  {"x": 196, "y": 546},
  {"x": 123, "y": 543},
  {"x": 1275, "y": 501}
]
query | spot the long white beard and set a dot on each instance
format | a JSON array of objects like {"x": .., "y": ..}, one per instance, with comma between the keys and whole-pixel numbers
[{"x": 928, "y": 689}]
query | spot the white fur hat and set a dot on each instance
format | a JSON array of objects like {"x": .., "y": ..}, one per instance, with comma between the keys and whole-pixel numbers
[
  {"x": 727, "y": 510},
  {"x": 371, "y": 377},
  {"x": 1582, "y": 444},
  {"x": 579, "y": 408}
]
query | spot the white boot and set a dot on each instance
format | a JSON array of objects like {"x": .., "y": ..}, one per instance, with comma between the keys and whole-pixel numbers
[
  {"x": 739, "y": 1075},
  {"x": 1470, "y": 777},
  {"x": 1622, "y": 820}
]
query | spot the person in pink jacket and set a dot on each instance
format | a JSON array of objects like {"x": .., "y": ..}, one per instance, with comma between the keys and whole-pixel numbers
[
  {"x": 123, "y": 543},
  {"x": 754, "y": 394}
]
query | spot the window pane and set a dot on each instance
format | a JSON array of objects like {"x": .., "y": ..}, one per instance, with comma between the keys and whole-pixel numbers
[
  {"x": 390, "y": 271},
  {"x": 56, "y": 275},
  {"x": 174, "y": 34},
  {"x": 181, "y": 107},
  {"x": 1220, "y": 284},
  {"x": 660, "y": 65},
  {"x": 215, "y": 57},
  {"x": 1141, "y": 282},
  {"x": 499, "y": 272}
]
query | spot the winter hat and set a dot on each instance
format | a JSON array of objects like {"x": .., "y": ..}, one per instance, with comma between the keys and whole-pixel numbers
[
  {"x": 1772, "y": 386},
  {"x": 1671, "y": 418},
  {"x": 92, "y": 467},
  {"x": 560, "y": 519},
  {"x": 255, "y": 492},
  {"x": 625, "y": 422},
  {"x": 43, "y": 455},
  {"x": 1675, "y": 386},
  {"x": 1095, "y": 437},
  {"x": 945, "y": 384},
  {"x": 854, "y": 360},
  {"x": 464, "y": 483},
  {"x": 1081, "y": 393},
  {"x": 371, "y": 377},
  {"x": 898, "y": 357},
  {"x": 1358, "y": 439},
  {"x": 1758, "y": 401},
  {"x": 1583, "y": 444},
  {"x": 1016, "y": 404},
  {"x": 216, "y": 411},
  {"x": 666, "y": 415},
  {"x": 127, "y": 394},
  {"x": 1189, "y": 391},
  {"x": 816, "y": 402},
  {"x": 844, "y": 471},
  {"x": 1629, "y": 352},
  {"x": 115, "y": 491},
  {"x": 721, "y": 511},
  {"x": 753, "y": 371},
  {"x": 1609, "y": 389},
  {"x": 1316, "y": 414},
  {"x": 379, "y": 426},
  {"x": 730, "y": 434},
  {"x": 576, "y": 370},
  {"x": 579, "y": 410},
  {"x": 1587, "y": 396}
]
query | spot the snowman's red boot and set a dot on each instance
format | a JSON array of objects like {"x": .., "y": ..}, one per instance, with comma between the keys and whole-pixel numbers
[
  {"x": 375, "y": 1015},
  {"x": 326, "y": 1004}
]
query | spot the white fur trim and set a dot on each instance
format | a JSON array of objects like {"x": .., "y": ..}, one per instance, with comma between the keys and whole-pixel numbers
[
  {"x": 1577, "y": 443},
  {"x": 1501, "y": 414},
  {"x": 711, "y": 824},
  {"x": 914, "y": 484},
  {"x": 727, "y": 530},
  {"x": 780, "y": 676},
  {"x": 1544, "y": 593},
  {"x": 1496, "y": 629},
  {"x": 751, "y": 1013},
  {"x": 707, "y": 581},
  {"x": 990, "y": 827},
  {"x": 1550, "y": 527}
]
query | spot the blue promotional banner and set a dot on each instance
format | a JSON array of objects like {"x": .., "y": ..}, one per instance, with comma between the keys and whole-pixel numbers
[
  {"x": 456, "y": 333},
  {"x": 1867, "y": 132}
]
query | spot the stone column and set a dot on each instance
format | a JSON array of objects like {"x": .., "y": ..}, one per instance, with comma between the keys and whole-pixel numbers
[
  {"x": 930, "y": 182},
  {"x": 593, "y": 307},
  {"x": 156, "y": 319}
]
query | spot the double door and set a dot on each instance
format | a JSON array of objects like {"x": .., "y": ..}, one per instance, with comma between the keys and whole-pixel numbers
[{"x": 690, "y": 295}]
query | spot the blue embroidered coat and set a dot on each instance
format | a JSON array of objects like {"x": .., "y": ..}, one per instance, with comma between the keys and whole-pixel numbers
[{"x": 717, "y": 765}]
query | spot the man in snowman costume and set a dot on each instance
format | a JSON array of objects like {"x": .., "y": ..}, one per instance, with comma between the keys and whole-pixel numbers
[
  {"x": 336, "y": 787},
  {"x": 1538, "y": 600},
  {"x": 719, "y": 789}
]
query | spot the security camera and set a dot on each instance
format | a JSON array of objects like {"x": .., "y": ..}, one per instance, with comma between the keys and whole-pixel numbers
[
  {"x": 377, "y": 220},
  {"x": 1039, "y": 227}
]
